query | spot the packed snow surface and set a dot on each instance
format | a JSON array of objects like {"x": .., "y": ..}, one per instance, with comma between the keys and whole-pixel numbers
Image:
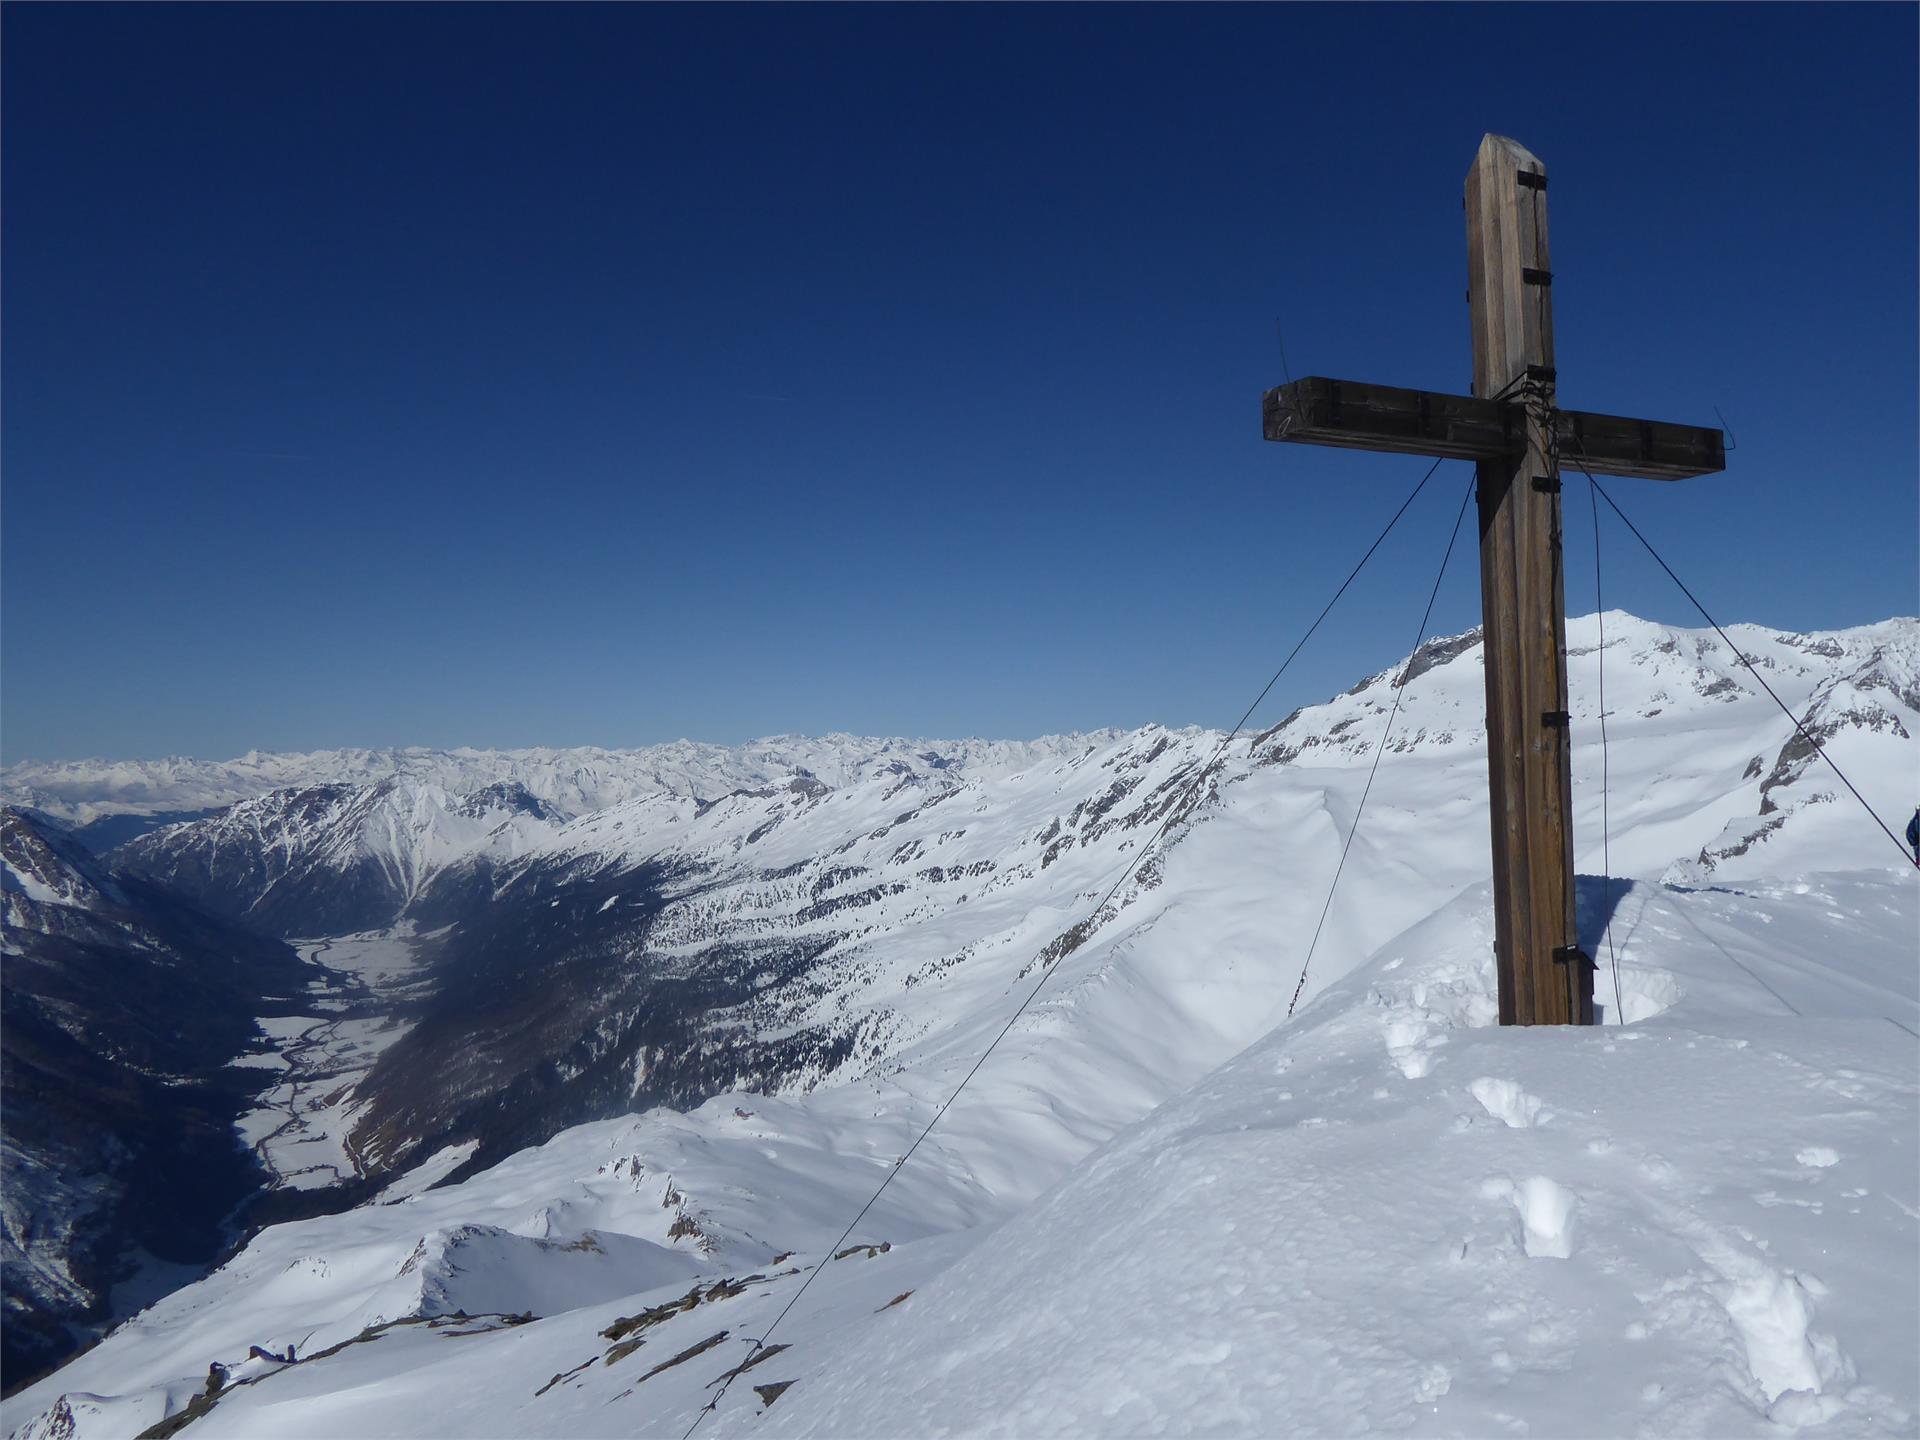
[
  {"x": 1164, "y": 1207},
  {"x": 1392, "y": 1215}
]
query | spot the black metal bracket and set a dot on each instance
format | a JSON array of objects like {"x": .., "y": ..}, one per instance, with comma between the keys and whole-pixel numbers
[
  {"x": 1556, "y": 719},
  {"x": 1531, "y": 276},
  {"x": 1547, "y": 484},
  {"x": 1543, "y": 373},
  {"x": 1530, "y": 179},
  {"x": 1573, "y": 955}
]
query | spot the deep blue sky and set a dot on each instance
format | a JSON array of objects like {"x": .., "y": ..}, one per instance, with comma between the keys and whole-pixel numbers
[{"x": 504, "y": 376}]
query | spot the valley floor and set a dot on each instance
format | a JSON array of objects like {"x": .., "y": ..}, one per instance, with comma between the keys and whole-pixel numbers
[{"x": 301, "y": 1124}]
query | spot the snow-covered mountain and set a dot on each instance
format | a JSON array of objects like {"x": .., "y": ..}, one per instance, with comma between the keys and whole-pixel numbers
[
  {"x": 754, "y": 998},
  {"x": 329, "y": 859}
]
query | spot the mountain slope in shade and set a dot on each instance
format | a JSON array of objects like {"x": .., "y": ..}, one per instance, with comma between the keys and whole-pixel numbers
[{"x": 122, "y": 1007}]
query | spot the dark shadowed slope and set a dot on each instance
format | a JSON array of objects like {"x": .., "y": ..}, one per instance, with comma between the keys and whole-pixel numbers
[{"x": 121, "y": 1009}]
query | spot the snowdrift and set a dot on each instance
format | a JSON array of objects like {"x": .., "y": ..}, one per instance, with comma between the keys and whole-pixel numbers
[{"x": 1391, "y": 1216}]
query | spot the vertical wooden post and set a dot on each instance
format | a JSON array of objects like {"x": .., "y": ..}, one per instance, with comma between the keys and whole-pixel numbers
[{"x": 1523, "y": 598}]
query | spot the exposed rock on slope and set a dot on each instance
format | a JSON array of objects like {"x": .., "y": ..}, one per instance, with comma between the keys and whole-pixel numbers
[
  {"x": 664, "y": 949},
  {"x": 331, "y": 859}
]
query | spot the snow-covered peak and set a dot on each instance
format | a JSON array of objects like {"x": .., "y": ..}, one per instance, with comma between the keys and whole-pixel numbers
[
  {"x": 321, "y": 858},
  {"x": 1648, "y": 672}
]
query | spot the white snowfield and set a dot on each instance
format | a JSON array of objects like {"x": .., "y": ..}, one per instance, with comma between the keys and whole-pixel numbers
[
  {"x": 1390, "y": 1217},
  {"x": 1162, "y": 1207}
]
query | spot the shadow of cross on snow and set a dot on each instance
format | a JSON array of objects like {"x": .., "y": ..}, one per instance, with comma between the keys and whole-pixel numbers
[{"x": 1596, "y": 898}]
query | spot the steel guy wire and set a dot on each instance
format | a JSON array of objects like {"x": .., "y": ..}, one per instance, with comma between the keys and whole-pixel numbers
[
  {"x": 1606, "y": 821},
  {"x": 1740, "y": 655},
  {"x": 1399, "y": 690},
  {"x": 1047, "y": 971}
]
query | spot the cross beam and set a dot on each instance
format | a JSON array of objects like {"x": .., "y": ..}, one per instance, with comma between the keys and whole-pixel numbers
[
  {"x": 1514, "y": 432},
  {"x": 1358, "y": 416}
]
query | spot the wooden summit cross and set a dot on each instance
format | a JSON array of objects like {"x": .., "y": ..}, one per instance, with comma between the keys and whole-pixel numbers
[{"x": 1513, "y": 431}]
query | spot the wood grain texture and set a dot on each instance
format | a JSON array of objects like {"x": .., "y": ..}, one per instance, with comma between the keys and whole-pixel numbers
[
  {"x": 1523, "y": 601},
  {"x": 1355, "y": 415}
]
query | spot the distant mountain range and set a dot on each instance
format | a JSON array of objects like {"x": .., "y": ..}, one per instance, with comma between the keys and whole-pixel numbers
[{"x": 570, "y": 782}]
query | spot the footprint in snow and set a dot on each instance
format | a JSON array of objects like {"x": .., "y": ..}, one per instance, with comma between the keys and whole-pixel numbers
[
  {"x": 1546, "y": 1210},
  {"x": 1771, "y": 1310},
  {"x": 1767, "y": 1199},
  {"x": 1414, "y": 1064},
  {"x": 1656, "y": 1169},
  {"x": 1410, "y": 1043},
  {"x": 1435, "y": 1381},
  {"x": 1508, "y": 1103}
]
